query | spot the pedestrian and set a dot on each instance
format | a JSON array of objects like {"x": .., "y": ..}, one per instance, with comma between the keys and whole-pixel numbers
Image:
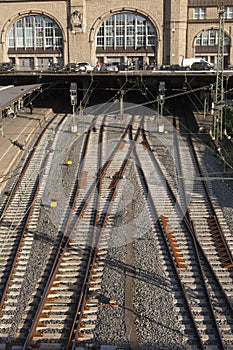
[
  {"x": 10, "y": 113},
  {"x": 21, "y": 106},
  {"x": 30, "y": 107},
  {"x": 97, "y": 66}
]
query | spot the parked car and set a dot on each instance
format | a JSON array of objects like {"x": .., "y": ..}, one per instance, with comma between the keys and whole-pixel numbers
[
  {"x": 202, "y": 66},
  {"x": 85, "y": 67},
  {"x": 110, "y": 67},
  {"x": 7, "y": 67},
  {"x": 122, "y": 67},
  {"x": 72, "y": 67},
  {"x": 56, "y": 67}
]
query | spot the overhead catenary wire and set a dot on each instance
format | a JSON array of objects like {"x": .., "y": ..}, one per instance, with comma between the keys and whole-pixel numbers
[
  {"x": 129, "y": 107},
  {"x": 156, "y": 100}
]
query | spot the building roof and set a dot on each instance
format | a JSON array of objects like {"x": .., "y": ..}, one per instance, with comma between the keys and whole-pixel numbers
[{"x": 11, "y": 93}]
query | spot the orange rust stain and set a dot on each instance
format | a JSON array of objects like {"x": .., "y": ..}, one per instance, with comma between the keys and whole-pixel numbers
[
  {"x": 122, "y": 145},
  {"x": 38, "y": 334},
  {"x": 84, "y": 180},
  {"x": 173, "y": 243},
  {"x": 145, "y": 145}
]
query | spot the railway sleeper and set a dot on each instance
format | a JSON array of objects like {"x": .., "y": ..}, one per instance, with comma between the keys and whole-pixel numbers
[
  {"x": 206, "y": 337},
  {"x": 218, "y": 240},
  {"x": 13, "y": 294},
  {"x": 201, "y": 310},
  {"x": 90, "y": 310},
  {"x": 97, "y": 274},
  {"x": 5, "y": 326},
  {"x": 87, "y": 326},
  {"x": 95, "y": 280},
  {"x": 56, "y": 309},
  {"x": 216, "y": 235},
  {"x": 63, "y": 287},
  {"x": 59, "y": 301},
  {"x": 62, "y": 317},
  {"x": 228, "y": 337},
  {"x": 71, "y": 262},
  {"x": 68, "y": 274},
  {"x": 222, "y": 249},
  {"x": 10, "y": 300},
  {"x": 226, "y": 328},
  {"x": 220, "y": 245},
  {"x": 70, "y": 270},
  {"x": 89, "y": 318},
  {"x": 61, "y": 293},
  {"x": 181, "y": 266},
  {"x": 85, "y": 337},
  {"x": 94, "y": 287},
  {"x": 43, "y": 325},
  {"x": 214, "y": 229},
  {"x": 227, "y": 260},
  {"x": 48, "y": 346},
  {"x": 102, "y": 251},
  {"x": 222, "y": 254},
  {"x": 103, "y": 245},
  {"x": 92, "y": 302},
  {"x": 42, "y": 336},
  {"x": 68, "y": 282},
  {"x": 202, "y": 325},
  {"x": 229, "y": 266}
]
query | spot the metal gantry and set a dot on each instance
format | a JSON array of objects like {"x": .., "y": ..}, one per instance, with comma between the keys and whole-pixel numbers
[{"x": 219, "y": 101}]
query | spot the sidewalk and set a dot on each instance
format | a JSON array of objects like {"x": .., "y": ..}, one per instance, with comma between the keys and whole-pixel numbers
[{"x": 21, "y": 129}]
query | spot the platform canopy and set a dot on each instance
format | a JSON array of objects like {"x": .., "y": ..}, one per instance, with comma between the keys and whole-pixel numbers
[{"x": 10, "y": 93}]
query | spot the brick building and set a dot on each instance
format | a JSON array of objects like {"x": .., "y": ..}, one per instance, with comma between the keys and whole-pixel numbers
[{"x": 37, "y": 33}]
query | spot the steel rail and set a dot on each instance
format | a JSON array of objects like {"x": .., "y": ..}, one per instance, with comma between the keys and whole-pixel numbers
[
  {"x": 100, "y": 229},
  {"x": 89, "y": 266},
  {"x": 190, "y": 222},
  {"x": 229, "y": 253},
  {"x": 198, "y": 249},
  {"x": 28, "y": 214},
  {"x": 66, "y": 238},
  {"x": 26, "y": 164},
  {"x": 154, "y": 211},
  {"x": 201, "y": 174}
]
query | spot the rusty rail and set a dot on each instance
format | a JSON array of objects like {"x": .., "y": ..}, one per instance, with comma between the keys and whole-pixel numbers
[
  {"x": 29, "y": 212},
  {"x": 220, "y": 243},
  {"x": 172, "y": 242},
  {"x": 67, "y": 239}
]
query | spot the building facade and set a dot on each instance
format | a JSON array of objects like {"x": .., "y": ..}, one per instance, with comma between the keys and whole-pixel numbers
[{"x": 34, "y": 34}]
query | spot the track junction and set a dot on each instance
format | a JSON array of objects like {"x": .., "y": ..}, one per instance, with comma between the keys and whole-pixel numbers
[{"x": 76, "y": 181}]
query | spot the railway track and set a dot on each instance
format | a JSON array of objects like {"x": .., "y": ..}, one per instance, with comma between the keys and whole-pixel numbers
[
  {"x": 79, "y": 189},
  {"x": 67, "y": 310},
  {"x": 18, "y": 222},
  {"x": 206, "y": 297}
]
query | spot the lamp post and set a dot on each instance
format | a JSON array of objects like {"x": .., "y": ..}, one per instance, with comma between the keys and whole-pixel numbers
[
  {"x": 73, "y": 101},
  {"x": 173, "y": 46},
  {"x": 74, "y": 44}
]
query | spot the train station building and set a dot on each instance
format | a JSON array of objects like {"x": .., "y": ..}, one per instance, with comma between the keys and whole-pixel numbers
[{"x": 34, "y": 34}]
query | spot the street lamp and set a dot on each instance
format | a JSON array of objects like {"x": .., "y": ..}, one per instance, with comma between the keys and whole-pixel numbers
[
  {"x": 74, "y": 44},
  {"x": 73, "y": 101},
  {"x": 173, "y": 45}
]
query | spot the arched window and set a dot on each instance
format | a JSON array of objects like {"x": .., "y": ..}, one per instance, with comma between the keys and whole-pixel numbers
[
  {"x": 126, "y": 31},
  {"x": 35, "y": 32},
  {"x": 206, "y": 46},
  {"x": 210, "y": 38}
]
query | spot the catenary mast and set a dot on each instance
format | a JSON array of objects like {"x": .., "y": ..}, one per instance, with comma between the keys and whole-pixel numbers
[{"x": 219, "y": 101}]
